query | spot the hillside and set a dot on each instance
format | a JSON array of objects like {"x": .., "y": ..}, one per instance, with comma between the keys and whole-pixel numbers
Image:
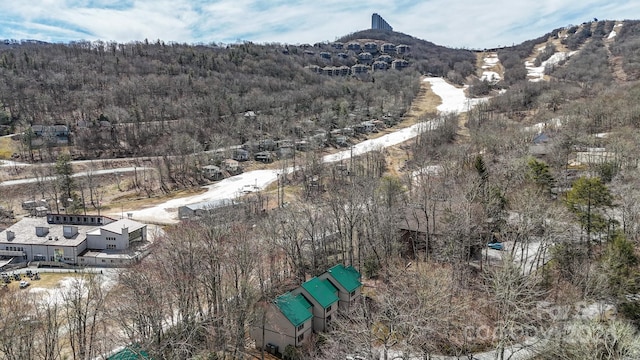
[
  {"x": 428, "y": 58},
  {"x": 126, "y": 99}
]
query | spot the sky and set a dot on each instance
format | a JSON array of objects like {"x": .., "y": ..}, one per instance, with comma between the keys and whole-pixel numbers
[{"x": 469, "y": 24}]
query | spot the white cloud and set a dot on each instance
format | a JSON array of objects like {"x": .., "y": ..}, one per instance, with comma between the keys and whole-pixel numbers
[{"x": 454, "y": 23}]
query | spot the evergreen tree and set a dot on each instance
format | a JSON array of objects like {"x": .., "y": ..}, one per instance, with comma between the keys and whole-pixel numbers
[
  {"x": 64, "y": 175},
  {"x": 587, "y": 199}
]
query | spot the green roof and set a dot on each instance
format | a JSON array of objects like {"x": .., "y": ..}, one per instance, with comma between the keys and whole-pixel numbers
[
  {"x": 348, "y": 277},
  {"x": 304, "y": 301},
  {"x": 331, "y": 286},
  {"x": 294, "y": 308},
  {"x": 322, "y": 291},
  {"x": 129, "y": 354}
]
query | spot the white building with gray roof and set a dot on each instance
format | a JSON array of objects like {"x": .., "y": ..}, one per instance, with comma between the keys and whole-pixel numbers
[{"x": 65, "y": 238}]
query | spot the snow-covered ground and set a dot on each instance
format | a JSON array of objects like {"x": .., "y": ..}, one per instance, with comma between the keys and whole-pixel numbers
[
  {"x": 56, "y": 295},
  {"x": 489, "y": 64},
  {"x": 453, "y": 100},
  {"x": 430, "y": 170},
  {"x": 11, "y": 163},
  {"x": 542, "y": 126},
  {"x": 490, "y": 61},
  {"x": 536, "y": 73},
  {"x": 613, "y": 33},
  {"x": 490, "y": 76},
  {"x": 229, "y": 188}
]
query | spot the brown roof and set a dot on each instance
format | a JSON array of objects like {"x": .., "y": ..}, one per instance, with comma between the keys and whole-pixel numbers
[{"x": 413, "y": 219}]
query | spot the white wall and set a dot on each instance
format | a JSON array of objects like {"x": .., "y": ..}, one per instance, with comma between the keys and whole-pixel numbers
[{"x": 100, "y": 242}]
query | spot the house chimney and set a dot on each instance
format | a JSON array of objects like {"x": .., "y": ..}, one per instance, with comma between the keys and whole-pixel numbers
[{"x": 10, "y": 235}]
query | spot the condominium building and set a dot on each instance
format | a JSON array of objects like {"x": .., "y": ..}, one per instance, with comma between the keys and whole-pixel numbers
[{"x": 377, "y": 22}]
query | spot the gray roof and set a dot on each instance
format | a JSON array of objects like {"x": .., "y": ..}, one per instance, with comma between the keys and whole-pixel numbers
[
  {"x": 25, "y": 233},
  {"x": 116, "y": 226}
]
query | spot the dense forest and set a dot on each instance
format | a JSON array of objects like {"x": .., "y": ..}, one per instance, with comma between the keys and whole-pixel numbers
[{"x": 147, "y": 93}]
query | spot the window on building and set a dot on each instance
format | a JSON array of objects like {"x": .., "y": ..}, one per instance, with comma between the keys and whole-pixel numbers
[
  {"x": 103, "y": 260},
  {"x": 301, "y": 326},
  {"x": 300, "y": 337},
  {"x": 328, "y": 309},
  {"x": 352, "y": 294},
  {"x": 329, "y": 318}
]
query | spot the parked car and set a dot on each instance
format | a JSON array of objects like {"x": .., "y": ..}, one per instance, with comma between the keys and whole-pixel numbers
[
  {"x": 24, "y": 284},
  {"x": 495, "y": 246}
]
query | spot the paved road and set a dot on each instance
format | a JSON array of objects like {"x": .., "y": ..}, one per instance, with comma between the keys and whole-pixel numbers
[{"x": 80, "y": 174}]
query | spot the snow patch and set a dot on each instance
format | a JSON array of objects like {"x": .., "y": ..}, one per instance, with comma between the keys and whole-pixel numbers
[
  {"x": 536, "y": 73},
  {"x": 430, "y": 170},
  {"x": 490, "y": 61},
  {"x": 612, "y": 34},
  {"x": 108, "y": 279},
  {"x": 56, "y": 295},
  {"x": 490, "y": 76},
  {"x": 11, "y": 163},
  {"x": 541, "y": 126},
  {"x": 596, "y": 311}
]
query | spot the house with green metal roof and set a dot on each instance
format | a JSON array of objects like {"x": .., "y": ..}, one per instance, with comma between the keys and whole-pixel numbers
[
  {"x": 347, "y": 281},
  {"x": 292, "y": 317},
  {"x": 287, "y": 321},
  {"x": 323, "y": 295},
  {"x": 129, "y": 353}
]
